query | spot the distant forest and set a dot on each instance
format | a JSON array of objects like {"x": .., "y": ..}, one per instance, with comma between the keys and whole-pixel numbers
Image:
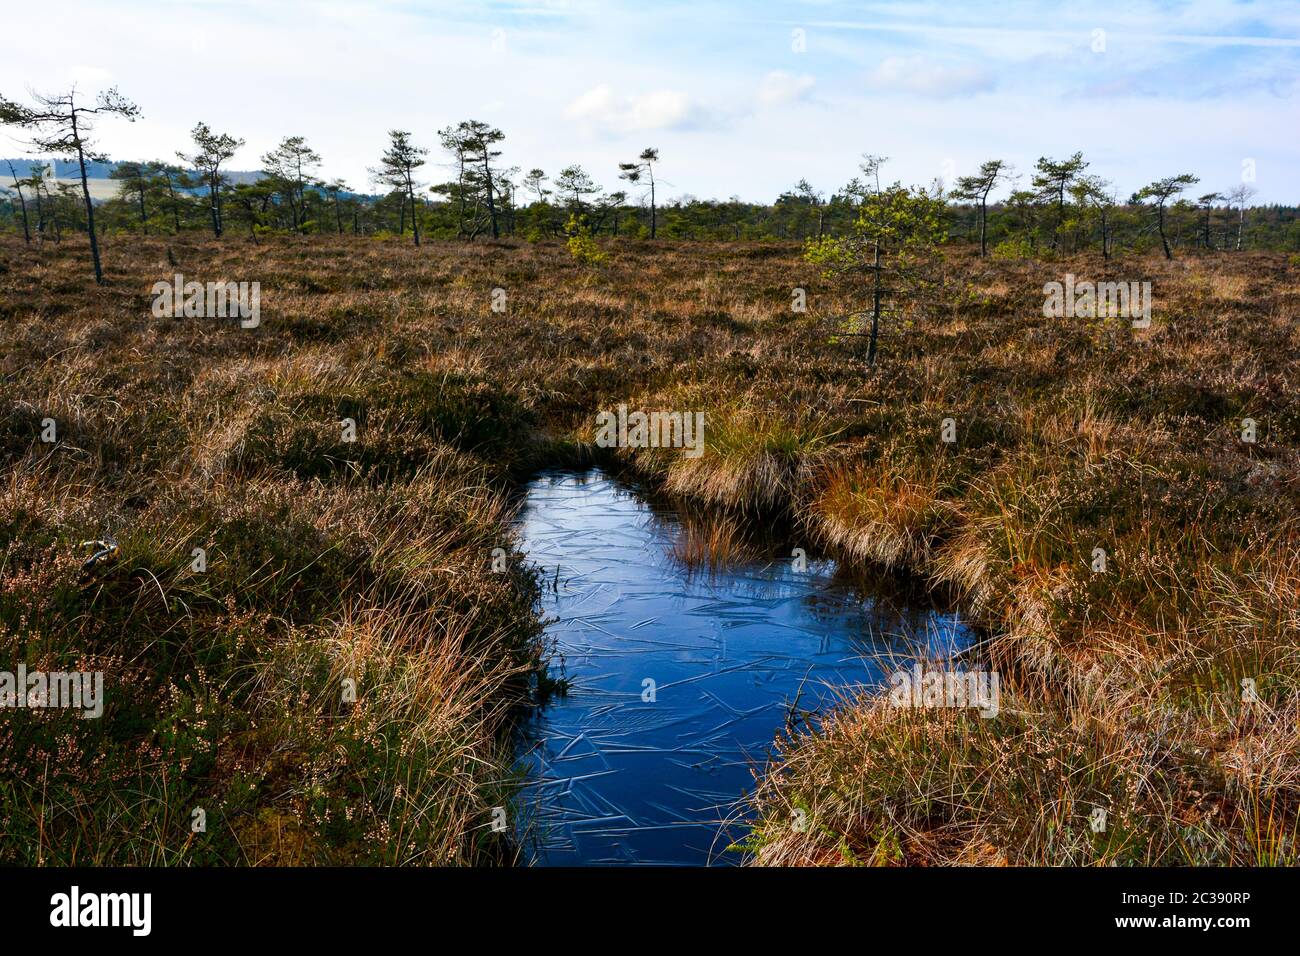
[{"x": 1056, "y": 205}]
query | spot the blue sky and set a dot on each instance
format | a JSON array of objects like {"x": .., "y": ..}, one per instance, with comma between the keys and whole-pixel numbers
[{"x": 740, "y": 98}]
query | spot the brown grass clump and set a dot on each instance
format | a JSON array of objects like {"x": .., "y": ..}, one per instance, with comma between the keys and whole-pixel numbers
[{"x": 890, "y": 520}]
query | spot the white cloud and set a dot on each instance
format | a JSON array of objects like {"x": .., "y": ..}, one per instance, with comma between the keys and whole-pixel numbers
[
  {"x": 923, "y": 77},
  {"x": 91, "y": 79},
  {"x": 689, "y": 84},
  {"x": 779, "y": 88},
  {"x": 656, "y": 110}
]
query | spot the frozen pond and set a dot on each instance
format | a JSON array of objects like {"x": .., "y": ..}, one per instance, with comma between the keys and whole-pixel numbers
[{"x": 679, "y": 678}]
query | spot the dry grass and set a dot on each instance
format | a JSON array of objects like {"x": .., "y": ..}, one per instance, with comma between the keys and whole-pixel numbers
[{"x": 1122, "y": 689}]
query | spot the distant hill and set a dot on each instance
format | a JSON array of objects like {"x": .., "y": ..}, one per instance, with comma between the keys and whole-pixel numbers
[
  {"x": 101, "y": 187},
  {"x": 67, "y": 169},
  {"x": 63, "y": 169},
  {"x": 101, "y": 190}
]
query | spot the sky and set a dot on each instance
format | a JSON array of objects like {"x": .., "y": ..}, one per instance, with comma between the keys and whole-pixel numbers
[{"x": 741, "y": 98}]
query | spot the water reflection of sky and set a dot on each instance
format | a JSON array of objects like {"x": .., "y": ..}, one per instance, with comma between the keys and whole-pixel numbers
[{"x": 616, "y": 779}]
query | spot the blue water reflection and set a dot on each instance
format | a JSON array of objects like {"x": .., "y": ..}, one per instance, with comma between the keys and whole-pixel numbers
[{"x": 621, "y": 771}]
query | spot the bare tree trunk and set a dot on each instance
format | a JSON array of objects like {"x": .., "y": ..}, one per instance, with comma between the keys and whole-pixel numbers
[
  {"x": 875, "y": 309},
  {"x": 221, "y": 221},
  {"x": 460, "y": 191},
  {"x": 27, "y": 233},
  {"x": 415, "y": 220},
  {"x": 214, "y": 204},
  {"x": 40, "y": 214},
  {"x": 176, "y": 214},
  {"x": 984, "y": 223},
  {"x": 1060, "y": 216},
  {"x": 492, "y": 206},
  {"x": 90, "y": 208}
]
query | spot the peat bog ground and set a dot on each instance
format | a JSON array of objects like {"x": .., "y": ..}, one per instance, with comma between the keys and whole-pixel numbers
[{"x": 338, "y": 684}]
